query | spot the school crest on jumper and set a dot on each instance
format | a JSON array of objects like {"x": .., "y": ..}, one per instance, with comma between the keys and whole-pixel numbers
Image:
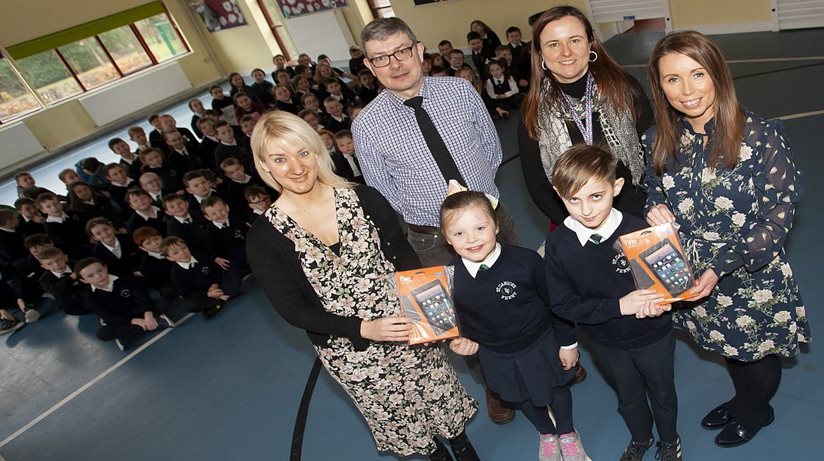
[
  {"x": 621, "y": 264},
  {"x": 126, "y": 293},
  {"x": 506, "y": 290}
]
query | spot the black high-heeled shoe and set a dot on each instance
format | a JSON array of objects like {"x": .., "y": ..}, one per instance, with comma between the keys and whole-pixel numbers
[{"x": 735, "y": 434}]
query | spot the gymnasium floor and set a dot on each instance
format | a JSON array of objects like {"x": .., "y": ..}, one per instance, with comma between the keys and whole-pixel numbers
[{"x": 229, "y": 389}]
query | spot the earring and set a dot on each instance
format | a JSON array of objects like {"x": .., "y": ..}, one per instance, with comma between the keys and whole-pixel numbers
[
  {"x": 591, "y": 59},
  {"x": 543, "y": 65}
]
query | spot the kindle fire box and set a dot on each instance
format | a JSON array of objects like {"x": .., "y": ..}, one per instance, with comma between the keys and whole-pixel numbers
[
  {"x": 658, "y": 262},
  {"x": 425, "y": 300}
]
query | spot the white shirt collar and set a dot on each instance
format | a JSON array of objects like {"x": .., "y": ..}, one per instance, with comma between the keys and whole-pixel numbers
[
  {"x": 123, "y": 184},
  {"x": 59, "y": 219},
  {"x": 257, "y": 212},
  {"x": 188, "y": 264},
  {"x": 108, "y": 287},
  {"x": 116, "y": 246},
  {"x": 11, "y": 231},
  {"x": 220, "y": 225},
  {"x": 155, "y": 196},
  {"x": 246, "y": 180},
  {"x": 183, "y": 219},
  {"x": 155, "y": 210},
  {"x": 156, "y": 255},
  {"x": 473, "y": 267},
  {"x": 605, "y": 231},
  {"x": 60, "y": 274}
]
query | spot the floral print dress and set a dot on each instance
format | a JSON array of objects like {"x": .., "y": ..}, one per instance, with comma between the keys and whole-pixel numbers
[
  {"x": 407, "y": 394},
  {"x": 735, "y": 221}
]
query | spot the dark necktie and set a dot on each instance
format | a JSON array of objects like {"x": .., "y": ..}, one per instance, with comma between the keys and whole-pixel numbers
[
  {"x": 435, "y": 143},
  {"x": 596, "y": 239},
  {"x": 483, "y": 268},
  {"x": 187, "y": 220}
]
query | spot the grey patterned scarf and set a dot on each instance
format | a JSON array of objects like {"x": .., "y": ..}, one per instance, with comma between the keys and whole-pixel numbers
[{"x": 617, "y": 126}]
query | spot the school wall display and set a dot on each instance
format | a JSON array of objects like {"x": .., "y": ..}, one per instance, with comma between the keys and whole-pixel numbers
[
  {"x": 293, "y": 8},
  {"x": 218, "y": 14}
]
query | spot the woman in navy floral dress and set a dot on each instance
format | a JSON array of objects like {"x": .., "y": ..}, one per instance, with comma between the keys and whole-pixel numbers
[{"x": 727, "y": 178}]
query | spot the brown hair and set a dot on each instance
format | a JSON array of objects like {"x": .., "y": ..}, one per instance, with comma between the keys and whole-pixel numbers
[
  {"x": 97, "y": 222},
  {"x": 86, "y": 262},
  {"x": 579, "y": 164},
  {"x": 613, "y": 82},
  {"x": 462, "y": 200},
  {"x": 728, "y": 121},
  {"x": 143, "y": 233},
  {"x": 50, "y": 252},
  {"x": 171, "y": 242}
]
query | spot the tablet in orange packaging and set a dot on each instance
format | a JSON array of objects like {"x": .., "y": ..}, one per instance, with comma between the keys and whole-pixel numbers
[
  {"x": 658, "y": 262},
  {"x": 426, "y": 301}
]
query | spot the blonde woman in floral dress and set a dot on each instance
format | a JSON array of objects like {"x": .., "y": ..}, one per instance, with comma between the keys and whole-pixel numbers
[
  {"x": 727, "y": 178},
  {"x": 325, "y": 253}
]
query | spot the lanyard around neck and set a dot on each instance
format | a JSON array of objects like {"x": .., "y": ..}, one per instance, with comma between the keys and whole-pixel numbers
[{"x": 584, "y": 126}]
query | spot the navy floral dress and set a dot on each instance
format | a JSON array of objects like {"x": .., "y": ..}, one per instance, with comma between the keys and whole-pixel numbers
[
  {"x": 735, "y": 222},
  {"x": 407, "y": 394}
]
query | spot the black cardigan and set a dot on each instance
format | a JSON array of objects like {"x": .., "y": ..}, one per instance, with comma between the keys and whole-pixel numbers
[
  {"x": 630, "y": 200},
  {"x": 276, "y": 266}
]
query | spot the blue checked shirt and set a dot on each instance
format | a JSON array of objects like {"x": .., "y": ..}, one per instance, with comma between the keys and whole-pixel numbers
[{"x": 395, "y": 159}]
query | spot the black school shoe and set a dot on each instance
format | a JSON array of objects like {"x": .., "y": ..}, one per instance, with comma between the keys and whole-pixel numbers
[
  {"x": 735, "y": 434},
  {"x": 717, "y": 418}
]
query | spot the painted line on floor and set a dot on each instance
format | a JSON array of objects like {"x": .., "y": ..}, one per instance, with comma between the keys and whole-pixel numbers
[
  {"x": 801, "y": 115},
  {"x": 91, "y": 383},
  {"x": 296, "y": 451},
  {"x": 755, "y": 60}
]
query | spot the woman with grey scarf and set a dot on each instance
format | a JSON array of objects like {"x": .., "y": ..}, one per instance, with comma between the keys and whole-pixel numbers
[{"x": 579, "y": 94}]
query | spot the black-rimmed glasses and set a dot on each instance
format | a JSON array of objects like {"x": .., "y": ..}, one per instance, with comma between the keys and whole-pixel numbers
[{"x": 400, "y": 55}]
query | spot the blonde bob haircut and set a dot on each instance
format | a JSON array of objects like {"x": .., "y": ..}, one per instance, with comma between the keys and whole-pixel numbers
[{"x": 281, "y": 127}]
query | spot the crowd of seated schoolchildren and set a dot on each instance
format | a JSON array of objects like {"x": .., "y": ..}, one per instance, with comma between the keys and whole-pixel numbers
[{"x": 170, "y": 217}]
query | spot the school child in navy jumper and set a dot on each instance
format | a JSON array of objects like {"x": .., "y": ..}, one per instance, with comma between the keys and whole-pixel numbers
[
  {"x": 31, "y": 221},
  {"x": 153, "y": 162},
  {"x": 145, "y": 212},
  {"x": 154, "y": 266},
  {"x": 198, "y": 189},
  {"x": 119, "y": 183},
  {"x": 591, "y": 284},
  {"x": 226, "y": 235},
  {"x": 117, "y": 251},
  {"x": 259, "y": 200},
  {"x": 501, "y": 88},
  {"x": 87, "y": 203},
  {"x": 128, "y": 159},
  {"x": 501, "y": 298},
  {"x": 125, "y": 307},
  {"x": 236, "y": 183},
  {"x": 204, "y": 286},
  {"x": 11, "y": 241},
  {"x": 185, "y": 225},
  {"x": 61, "y": 282},
  {"x": 65, "y": 229}
]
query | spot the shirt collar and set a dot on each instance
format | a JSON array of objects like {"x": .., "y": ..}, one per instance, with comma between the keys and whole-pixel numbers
[
  {"x": 11, "y": 231},
  {"x": 60, "y": 274},
  {"x": 156, "y": 255},
  {"x": 155, "y": 210},
  {"x": 257, "y": 212},
  {"x": 112, "y": 248},
  {"x": 59, "y": 219},
  {"x": 183, "y": 219},
  {"x": 189, "y": 264},
  {"x": 220, "y": 225},
  {"x": 246, "y": 180},
  {"x": 473, "y": 267},
  {"x": 123, "y": 184},
  {"x": 108, "y": 287},
  {"x": 606, "y": 230}
]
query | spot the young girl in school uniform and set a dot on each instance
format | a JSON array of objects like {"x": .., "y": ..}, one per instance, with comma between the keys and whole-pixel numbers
[
  {"x": 527, "y": 355},
  {"x": 501, "y": 89}
]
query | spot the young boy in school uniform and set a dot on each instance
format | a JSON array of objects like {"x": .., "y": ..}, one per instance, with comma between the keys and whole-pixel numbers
[
  {"x": 128, "y": 159},
  {"x": 259, "y": 200},
  {"x": 117, "y": 251},
  {"x": 336, "y": 119},
  {"x": 183, "y": 224},
  {"x": 591, "y": 284},
  {"x": 346, "y": 164},
  {"x": 230, "y": 146},
  {"x": 154, "y": 266},
  {"x": 64, "y": 228},
  {"x": 11, "y": 241},
  {"x": 119, "y": 183},
  {"x": 138, "y": 136},
  {"x": 227, "y": 237},
  {"x": 236, "y": 183},
  {"x": 146, "y": 213},
  {"x": 125, "y": 307},
  {"x": 61, "y": 282},
  {"x": 31, "y": 221},
  {"x": 198, "y": 189},
  {"x": 204, "y": 286}
]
